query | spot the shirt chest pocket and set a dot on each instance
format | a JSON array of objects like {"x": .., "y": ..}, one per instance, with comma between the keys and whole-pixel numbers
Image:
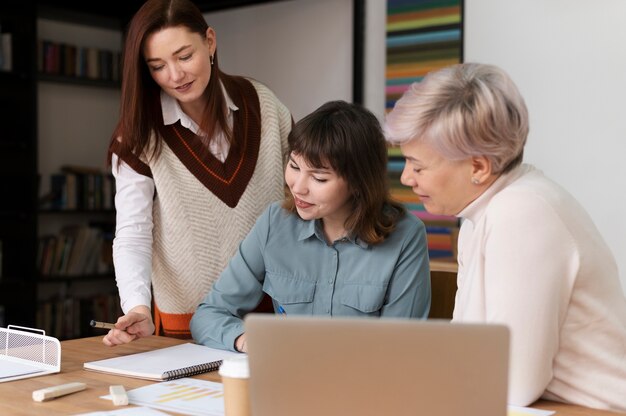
[
  {"x": 294, "y": 295},
  {"x": 366, "y": 299}
]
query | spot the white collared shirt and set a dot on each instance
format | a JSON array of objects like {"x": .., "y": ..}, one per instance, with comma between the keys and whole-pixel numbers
[
  {"x": 172, "y": 112},
  {"x": 132, "y": 253}
]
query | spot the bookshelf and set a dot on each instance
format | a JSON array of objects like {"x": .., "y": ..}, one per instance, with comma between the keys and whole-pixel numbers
[
  {"x": 76, "y": 225},
  {"x": 78, "y": 101},
  {"x": 62, "y": 300}
]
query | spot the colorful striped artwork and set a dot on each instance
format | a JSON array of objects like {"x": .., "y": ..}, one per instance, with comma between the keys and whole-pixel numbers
[{"x": 422, "y": 36}]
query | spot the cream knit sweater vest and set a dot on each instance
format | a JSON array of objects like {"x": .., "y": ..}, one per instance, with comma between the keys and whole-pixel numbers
[{"x": 195, "y": 233}]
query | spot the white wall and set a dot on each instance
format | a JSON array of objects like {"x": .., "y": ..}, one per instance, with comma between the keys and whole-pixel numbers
[
  {"x": 568, "y": 59},
  {"x": 301, "y": 49}
]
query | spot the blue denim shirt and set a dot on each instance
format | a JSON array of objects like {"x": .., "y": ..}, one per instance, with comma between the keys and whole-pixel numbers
[{"x": 288, "y": 258}]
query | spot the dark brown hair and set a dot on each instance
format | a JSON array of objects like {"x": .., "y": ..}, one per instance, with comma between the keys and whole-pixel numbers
[
  {"x": 349, "y": 138},
  {"x": 140, "y": 107}
]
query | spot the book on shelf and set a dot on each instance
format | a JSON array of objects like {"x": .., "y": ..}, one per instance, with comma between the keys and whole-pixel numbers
[
  {"x": 77, "y": 250},
  {"x": 68, "y": 317},
  {"x": 87, "y": 243},
  {"x": 63, "y": 59},
  {"x": 80, "y": 188},
  {"x": 183, "y": 360}
]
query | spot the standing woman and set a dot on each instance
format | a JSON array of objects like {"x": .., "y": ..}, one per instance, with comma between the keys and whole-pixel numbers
[
  {"x": 529, "y": 255},
  {"x": 196, "y": 155}
]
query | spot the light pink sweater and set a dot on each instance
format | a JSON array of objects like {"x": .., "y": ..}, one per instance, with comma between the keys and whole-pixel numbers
[{"x": 530, "y": 257}]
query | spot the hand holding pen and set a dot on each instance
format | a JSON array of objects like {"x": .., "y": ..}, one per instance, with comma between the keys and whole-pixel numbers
[{"x": 137, "y": 323}]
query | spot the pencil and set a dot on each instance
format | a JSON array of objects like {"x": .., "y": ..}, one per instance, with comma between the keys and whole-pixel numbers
[{"x": 98, "y": 324}]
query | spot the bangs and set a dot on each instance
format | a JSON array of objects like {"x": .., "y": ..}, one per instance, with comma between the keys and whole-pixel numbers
[{"x": 317, "y": 145}]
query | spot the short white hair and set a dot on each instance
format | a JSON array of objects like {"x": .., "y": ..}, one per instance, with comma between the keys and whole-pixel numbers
[{"x": 464, "y": 110}]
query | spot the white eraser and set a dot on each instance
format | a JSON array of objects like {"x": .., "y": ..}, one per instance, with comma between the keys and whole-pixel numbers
[
  {"x": 119, "y": 396},
  {"x": 57, "y": 391}
]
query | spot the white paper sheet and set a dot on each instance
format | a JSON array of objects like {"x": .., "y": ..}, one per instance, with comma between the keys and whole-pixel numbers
[
  {"x": 9, "y": 369},
  {"x": 188, "y": 396}
]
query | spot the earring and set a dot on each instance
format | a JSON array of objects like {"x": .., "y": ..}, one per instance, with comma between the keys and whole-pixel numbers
[
  {"x": 211, "y": 59},
  {"x": 475, "y": 181}
]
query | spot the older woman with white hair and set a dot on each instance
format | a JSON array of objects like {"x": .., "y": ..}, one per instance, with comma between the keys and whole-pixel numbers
[{"x": 529, "y": 255}]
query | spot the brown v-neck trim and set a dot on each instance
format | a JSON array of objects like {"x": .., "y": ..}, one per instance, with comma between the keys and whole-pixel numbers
[
  {"x": 130, "y": 159},
  {"x": 227, "y": 180}
]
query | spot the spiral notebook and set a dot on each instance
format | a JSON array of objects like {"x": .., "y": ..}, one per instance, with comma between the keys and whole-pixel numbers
[{"x": 183, "y": 360}]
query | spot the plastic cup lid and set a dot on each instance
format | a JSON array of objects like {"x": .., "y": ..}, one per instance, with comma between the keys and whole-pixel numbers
[{"x": 236, "y": 367}]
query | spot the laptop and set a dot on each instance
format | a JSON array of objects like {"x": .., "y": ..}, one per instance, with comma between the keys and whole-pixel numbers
[{"x": 301, "y": 366}]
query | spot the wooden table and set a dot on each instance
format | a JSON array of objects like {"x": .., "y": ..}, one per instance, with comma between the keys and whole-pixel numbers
[{"x": 16, "y": 396}]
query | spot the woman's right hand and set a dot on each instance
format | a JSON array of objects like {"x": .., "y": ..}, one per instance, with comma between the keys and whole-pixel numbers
[
  {"x": 137, "y": 323},
  {"x": 240, "y": 343}
]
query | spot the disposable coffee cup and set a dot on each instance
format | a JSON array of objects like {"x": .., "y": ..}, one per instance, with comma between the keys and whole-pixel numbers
[{"x": 235, "y": 374}]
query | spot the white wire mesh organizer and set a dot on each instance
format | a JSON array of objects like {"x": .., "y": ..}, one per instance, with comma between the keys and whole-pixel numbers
[{"x": 27, "y": 354}]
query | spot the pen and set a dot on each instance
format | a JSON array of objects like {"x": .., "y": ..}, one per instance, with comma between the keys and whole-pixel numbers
[
  {"x": 98, "y": 324},
  {"x": 281, "y": 310}
]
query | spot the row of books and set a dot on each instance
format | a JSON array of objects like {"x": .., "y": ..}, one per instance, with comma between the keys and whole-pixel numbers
[
  {"x": 75, "y": 190},
  {"x": 77, "y": 250},
  {"x": 75, "y": 61},
  {"x": 441, "y": 230},
  {"x": 69, "y": 318}
]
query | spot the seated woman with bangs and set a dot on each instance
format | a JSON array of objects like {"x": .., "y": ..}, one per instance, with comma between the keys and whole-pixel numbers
[{"x": 336, "y": 246}]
